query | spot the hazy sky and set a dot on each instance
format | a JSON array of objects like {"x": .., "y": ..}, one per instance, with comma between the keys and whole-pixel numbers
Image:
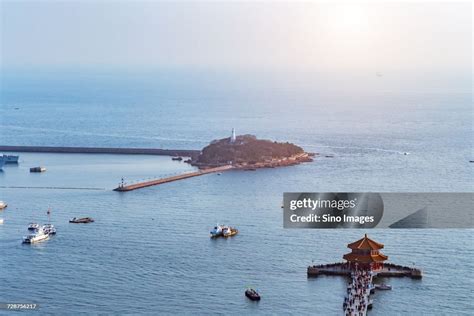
[{"x": 324, "y": 37}]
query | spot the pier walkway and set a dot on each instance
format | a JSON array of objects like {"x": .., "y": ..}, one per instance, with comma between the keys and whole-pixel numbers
[
  {"x": 357, "y": 300},
  {"x": 124, "y": 187}
]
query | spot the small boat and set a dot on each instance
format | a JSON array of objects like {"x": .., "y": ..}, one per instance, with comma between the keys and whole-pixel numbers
[
  {"x": 371, "y": 288},
  {"x": 33, "y": 226},
  {"x": 177, "y": 158},
  {"x": 2, "y": 221},
  {"x": 11, "y": 159},
  {"x": 3, "y": 205},
  {"x": 252, "y": 295},
  {"x": 49, "y": 229},
  {"x": 228, "y": 231},
  {"x": 2, "y": 162},
  {"x": 39, "y": 236},
  {"x": 370, "y": 304},
  {"x": 37, "y": 169},
  {"x": 216, "y": 231},
  {"x": 383, "y": 286},
  {"x": 82, "y": 220}
]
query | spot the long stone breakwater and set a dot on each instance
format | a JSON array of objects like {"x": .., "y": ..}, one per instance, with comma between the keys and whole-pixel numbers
[{"x": 101, "y": 150}]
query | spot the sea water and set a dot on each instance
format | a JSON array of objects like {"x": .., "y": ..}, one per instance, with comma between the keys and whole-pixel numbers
[{"x": 149, "y": 250}]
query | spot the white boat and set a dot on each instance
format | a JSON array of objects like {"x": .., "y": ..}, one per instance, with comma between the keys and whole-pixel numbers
[
  {"x": 39, "y": 236},
  {"x": 383, "y": 286},
  {"x": 49, "y": 229},
  {"x": 217, "y": 231},
  {"x": 1, "y": 221},
  {"x": 3, "y": 205},
  {"x": 33, "y": 226}
]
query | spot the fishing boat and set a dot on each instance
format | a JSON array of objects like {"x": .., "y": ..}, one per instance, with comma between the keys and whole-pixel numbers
[
  {"x": 33, "y": 226},
  {"x": 216, "y": 231},
  {"x": 252, "y": 295},
  {"x": 11, "y": 159},
  {"x": 228, "y": 231},
  {"x": 37, "y": 169},
  {"x": 39, "y": 236},
  {"x": 49, "y": 229},
  {"x": 383, "y": 286},
  {"x": 3, "y": 205},
  {"x": 82, "y": 220}
]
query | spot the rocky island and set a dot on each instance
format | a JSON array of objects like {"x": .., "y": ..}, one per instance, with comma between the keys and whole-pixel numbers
[{"x": 249, "y": 153}]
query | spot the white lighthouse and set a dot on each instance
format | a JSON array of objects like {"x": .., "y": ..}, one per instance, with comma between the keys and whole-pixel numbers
[{"x": 232, "y": 138}]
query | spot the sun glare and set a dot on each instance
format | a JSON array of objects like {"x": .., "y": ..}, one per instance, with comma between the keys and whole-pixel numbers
[{"x": 347, "y": 19}]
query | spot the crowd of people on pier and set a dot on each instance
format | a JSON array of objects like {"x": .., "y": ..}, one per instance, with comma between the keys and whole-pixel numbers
[{"x": 357, "y": 301}]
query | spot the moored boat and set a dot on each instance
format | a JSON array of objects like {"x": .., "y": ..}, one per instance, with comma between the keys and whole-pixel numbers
[
  {"x": 228, "y": 231},
  {"x": 383, "y": 286},
  {"x": 177, "y": 158},
  {"x": 2, "y": 221},
  {"x": 3, "y": 205},
  {"x": 252, "y": 295},
  {"x": 39, "y": 236},
  {"x": 2, "y": 162},
  {"x": 216, "y": 231},
  {"x": 49, "y": 229},
  {"x": 11, "y": 159},
  {"x": 370, "y": 304},
  {"x": 82, "y": 220},
  {"x": 33, "y": 226},
  {"x": 37, "y": 169}
]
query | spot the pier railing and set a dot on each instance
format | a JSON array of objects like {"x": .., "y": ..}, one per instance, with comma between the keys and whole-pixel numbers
[{"x": 129, "y": 187}]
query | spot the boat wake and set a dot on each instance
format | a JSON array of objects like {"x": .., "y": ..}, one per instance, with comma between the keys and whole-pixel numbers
[
  {"x": 359, "y": 148},
  {"x": 110, "y": 135}
]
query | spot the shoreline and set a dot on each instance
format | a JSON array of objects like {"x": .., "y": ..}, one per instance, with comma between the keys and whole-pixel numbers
[{"x": 271, "y": 163}]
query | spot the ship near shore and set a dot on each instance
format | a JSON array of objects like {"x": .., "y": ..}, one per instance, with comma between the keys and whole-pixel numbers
[{"x": 249, "y": 153}]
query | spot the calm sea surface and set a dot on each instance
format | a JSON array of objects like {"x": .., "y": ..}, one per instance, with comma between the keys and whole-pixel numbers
[{"x": 149, "y": 250}]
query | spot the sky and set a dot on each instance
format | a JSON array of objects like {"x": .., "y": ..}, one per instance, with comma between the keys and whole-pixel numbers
[{"x": 398, "y": 41}]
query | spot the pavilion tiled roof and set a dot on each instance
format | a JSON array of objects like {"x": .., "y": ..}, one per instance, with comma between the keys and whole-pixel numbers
[{"x": 365, "y": 244}]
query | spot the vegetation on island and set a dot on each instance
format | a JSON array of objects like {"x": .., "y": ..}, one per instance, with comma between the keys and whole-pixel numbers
[{"x": 245, "y": 149}]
